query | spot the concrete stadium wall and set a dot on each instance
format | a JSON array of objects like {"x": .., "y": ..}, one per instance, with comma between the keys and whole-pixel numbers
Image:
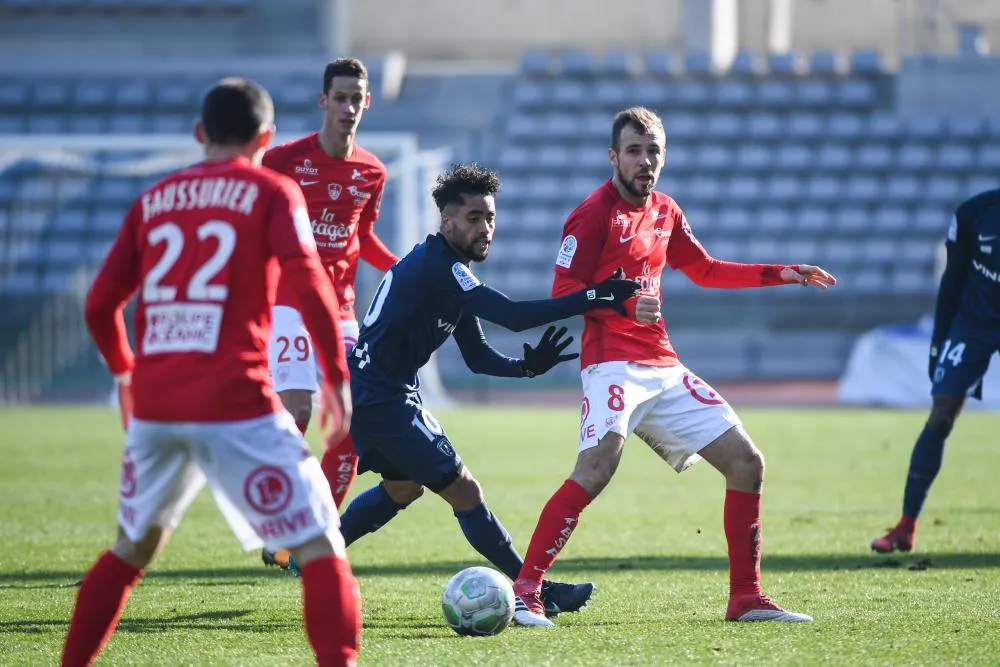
[{"x": 501, "y": 30}]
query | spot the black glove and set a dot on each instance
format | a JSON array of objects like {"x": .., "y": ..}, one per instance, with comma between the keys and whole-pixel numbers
[
  {"x": 933, "y": 361},
  {"x": 612, "y": 292},
  {"x": 547, "y": 353}
]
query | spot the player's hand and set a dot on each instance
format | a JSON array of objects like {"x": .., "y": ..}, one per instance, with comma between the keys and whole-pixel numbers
[
  {"x": 125, "y": 402},
  {"x": 541, "y": 358},
  {"x": 647, "y": 309},
  {"x": 611, "y": 292},
  {"x": 335, "y": 412},
  {"x": 806, "y": 275}
]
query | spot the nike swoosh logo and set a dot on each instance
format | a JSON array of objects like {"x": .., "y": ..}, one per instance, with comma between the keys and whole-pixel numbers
[
  {"x": 661, "y": 216},
  {"x": 986, "y": 238},
  {"x": 626, "y": 239},
  {"x": 605, "y": 298},
  {"x": 308, "y": 182}
]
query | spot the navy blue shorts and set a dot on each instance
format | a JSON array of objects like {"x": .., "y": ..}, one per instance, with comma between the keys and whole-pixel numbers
[
  {"x": 963, "y": 361},
  {"x": 402, "y": 441}
]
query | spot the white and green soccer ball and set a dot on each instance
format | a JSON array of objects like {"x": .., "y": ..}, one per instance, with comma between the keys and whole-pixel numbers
[{"x": 478, "y": 601}]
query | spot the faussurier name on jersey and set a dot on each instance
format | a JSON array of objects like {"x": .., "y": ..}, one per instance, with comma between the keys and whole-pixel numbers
[{"x": 232, "y": 193}]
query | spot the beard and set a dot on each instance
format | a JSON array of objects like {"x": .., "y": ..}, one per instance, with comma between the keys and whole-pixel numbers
[
  {"x": 635, "y": 188},
  {"x": 475, "y": 254}
]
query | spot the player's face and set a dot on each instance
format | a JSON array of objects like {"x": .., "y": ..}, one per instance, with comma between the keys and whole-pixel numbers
[
  {"x": 344, "y": 103},
  {"x": 469, "y": 227},
  {"x": 638, "y": 160}
]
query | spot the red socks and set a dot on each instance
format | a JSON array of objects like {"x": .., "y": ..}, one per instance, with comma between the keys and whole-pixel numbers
[
  {"x": 332, "y": 608},
  {"x": 340, "y": 465},
  {"x": 741, "y": 517},
  {"x": 555, "y": 525},
  {"x": 99, "y": 604}
]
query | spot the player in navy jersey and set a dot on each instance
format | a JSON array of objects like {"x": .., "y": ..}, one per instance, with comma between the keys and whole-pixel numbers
[
  {"x": 426, "y": 297},
  {"x": 966, "y": 334}
]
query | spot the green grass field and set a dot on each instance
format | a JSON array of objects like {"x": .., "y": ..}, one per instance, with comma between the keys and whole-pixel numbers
[{"x": 653, "y": 543}]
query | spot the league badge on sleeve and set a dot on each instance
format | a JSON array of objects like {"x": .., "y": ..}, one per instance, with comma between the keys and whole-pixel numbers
[
  {"x": 566, "y": 252},
  {"x": 466, "y": 280}
]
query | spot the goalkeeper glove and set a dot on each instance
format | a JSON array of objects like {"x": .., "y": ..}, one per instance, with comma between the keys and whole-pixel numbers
[
  {"x": 541, "y": 358},
  {"x": 611, "y": 292}
]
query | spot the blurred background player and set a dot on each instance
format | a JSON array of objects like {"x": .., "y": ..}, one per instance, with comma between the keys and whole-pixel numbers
[
  {"x": 632, "y": 378},
  {"x": 966, "y": 334},
  {"x": 342, "y": 184},
  {"x": 430, "y": 295},
  {"x": 203, "y": 247}
]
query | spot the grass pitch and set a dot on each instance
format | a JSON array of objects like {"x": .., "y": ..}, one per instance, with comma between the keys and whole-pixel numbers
[{"x": 653, "y": 543}]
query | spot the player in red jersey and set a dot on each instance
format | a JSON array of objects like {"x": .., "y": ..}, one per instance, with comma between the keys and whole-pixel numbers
[
  {"x": 632, "y": 379},
  {"x": 342, "y": 184},
  {"x": 203, "y": 247}
]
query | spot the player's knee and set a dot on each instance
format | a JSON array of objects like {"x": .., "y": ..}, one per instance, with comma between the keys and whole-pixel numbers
[
  {"x": 746, "y": 469},
  {"x": 299, "y": 404},
  {"x": 941, "y": 422},
  {"x": 140, "y": 554},
  {"x": 403, "y": 493},
  {"x": 464, "y": 493}
]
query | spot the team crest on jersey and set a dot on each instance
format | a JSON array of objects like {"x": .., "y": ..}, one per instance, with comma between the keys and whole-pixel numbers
[
  {"x": 307, "y": 168},
  {"x": 566, "y": 252},
  {"x": 334, "y": 190},
  {"x": 463, "y": 274}
]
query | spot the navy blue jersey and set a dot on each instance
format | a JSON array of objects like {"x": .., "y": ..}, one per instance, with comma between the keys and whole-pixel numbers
[
  {"x": 429, "y": 295},
  {"x": 971, "y": 282}
]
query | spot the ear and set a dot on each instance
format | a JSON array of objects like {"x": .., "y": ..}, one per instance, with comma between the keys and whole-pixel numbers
[
  {"x": 368, "y": 100},
  {"x": 321, "y": 101},
  {"x": 613, "y": 157},
  {"x": 199, "y": 132},
  {"x": 265, "y": 137}
]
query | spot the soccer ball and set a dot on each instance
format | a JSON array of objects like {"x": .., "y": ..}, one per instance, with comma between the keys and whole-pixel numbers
[{"x": 478, "y": 601}]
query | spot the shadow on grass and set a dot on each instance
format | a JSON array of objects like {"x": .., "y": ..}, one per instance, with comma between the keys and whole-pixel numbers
[
  {"x": 245, "y": 576},
  {"x": 207, "y": 620}
]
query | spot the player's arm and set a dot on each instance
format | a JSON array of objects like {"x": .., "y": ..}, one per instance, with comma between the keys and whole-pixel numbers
[
  {"x": 483, "y": 358},
  {"x": 373, "y": 250},
  {"x": 686, "y": 253},
  {"x": 959, "y": 246}
]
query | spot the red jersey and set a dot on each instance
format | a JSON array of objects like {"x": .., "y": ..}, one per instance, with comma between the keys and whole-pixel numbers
[
  {"x": 606, "y": 232},
  {"x": 343, "y": 197},
  {"x": 205, "y": 247}
]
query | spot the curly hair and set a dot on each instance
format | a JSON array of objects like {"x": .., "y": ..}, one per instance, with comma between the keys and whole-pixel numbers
[{"x": 464, "y": 179}]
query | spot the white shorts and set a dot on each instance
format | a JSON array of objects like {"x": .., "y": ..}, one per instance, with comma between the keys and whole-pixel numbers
[
  {"x": 268, "y": 485},
  {"x": 673, "y": 410},
  {"x": 290, "y": 353}
]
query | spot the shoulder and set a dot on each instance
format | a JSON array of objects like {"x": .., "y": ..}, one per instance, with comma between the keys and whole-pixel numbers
[
  {"x": 667, "y": 205},
  {"x": 282, "y": 155},
  {"x": 978, "y": 204},
  {"x": 365, "y": 158}
]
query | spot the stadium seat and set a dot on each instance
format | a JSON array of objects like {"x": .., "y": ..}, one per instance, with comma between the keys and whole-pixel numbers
[
  {"x": 47, "y": 123},
  {"x": 698, "y": 63},
  {"x": 764, "y": 249},
  {"x": 754, "y": 158},
  {"x": 965, "y": 127},
  {"x": 654, "y": 94},
  {"x": 536, "y": 63},
  {"x": 682, "y": 126},
  {"x": 526, "y": 128},
  {"x": 87, "y": 123},
  {"x": 13, "y": 95},
  {"x": 890, "y": 218},
  {"x": 885, "y": 127},
  {"x": 595, "y": 128},
  {"x": 530, "y": 95},
  {"x": 863, "y": 189},
  {"x": 128, "y": 124},
  {"x": 943, "y": 189},
  {"x": 546, "y": 190},
  {"x": 912, "y": 281},
  {"x": 813, "y": 93},
  {"x": 176, "y": 124},
  {"x": 764, "y": 126},
  {"x": 805, "y": 126},
  {"x": 553, "y": 158},
  {"x": 784, "y": 188},
  {"x": 735, "y": 94},
  {"x": 133, "y": 94},
  {"x": 824, "y": 63},
  {"x": 793, "y": 157},
  {"x": 64, "y": 253},
  {"x": 874, "y": 157},
  {"x": 11, "y": 123},
  {"x": 714, "y": 157},
  {"x": 813, "y": 219},
  {"x": 724, "y": 126},
  {"x": 845, "y": 126},
  {"x": 619, "y": 63},
  {"x": 20, "y": 283},
  {"x": 866, "y": 62},
  {"x": 57, "y": 281},
  {"x": 297, "y": 94},
  {"x": 988, "y": 156},
  {"x": 902, "y": 189},
  {"x": 954, "y": 157},
  {"x": 562, "y": 126},
  {"x": 659, "y": 63},
  {"x": 931, "y": 219},
  {"x": 855, "y": 94},
  {"x": 774, "y": 220},
  {"x": 611, "y": 94},
  {"x": 70, "y": 221},
  {"x": 783, "y": 64},
  {"x": 679, "y": 157},
  {"x": 704, "y": 189},
  {"x": 744, "y": 64},
  {"x": 51, "y": 93},
  {"x": 924, "y": 128},
  {"x": 834, "y": 157},
  {"x": 176, "y": 95},
  {"x": 515, "y": 158},
  {"x": 569, "y": 94},
  {"x": 734, "y": 220},
  {"x": 774, "y": 94},
  {"x": 689, "y": 93},
  {"x": 577, "y": 63},
  {"x": 116, "y": 192},
  {"x": 96, "y": 251},
  {"x": 918, "y": 251},
  {"x": 976, "y": 184},
  {"x": 851, "y": 218},
  {"x": 745, "y": 189}
]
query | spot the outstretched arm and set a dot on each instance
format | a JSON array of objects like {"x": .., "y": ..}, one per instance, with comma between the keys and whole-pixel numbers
[{"x": 479, "y": 355}]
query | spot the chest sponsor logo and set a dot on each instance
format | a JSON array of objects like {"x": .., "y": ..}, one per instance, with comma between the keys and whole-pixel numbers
[{"x": 307, "y": 168}]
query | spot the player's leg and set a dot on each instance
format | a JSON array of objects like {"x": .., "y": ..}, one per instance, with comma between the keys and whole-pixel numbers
[
  {"x": 378, "y": 505},
  {"x": 264, "y": 468},
  {"x": 616, "y": 397},
  {"x": 340, "y": 462},
  {"x": 158, "y": 483},
  {"x": 963, "y": 362}
]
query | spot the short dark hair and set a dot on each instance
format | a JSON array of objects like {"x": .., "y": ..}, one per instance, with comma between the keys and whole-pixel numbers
[
  {"x": 464, "y": 179},
  {"x": 351, "y": 67},
  {"x": 234, "y": 110},
  {"x": 640, "y": 118}
]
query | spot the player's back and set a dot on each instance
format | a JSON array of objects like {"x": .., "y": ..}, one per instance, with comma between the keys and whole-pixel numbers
[
  {"x": 414, "y": 311},
  {"x": 207, "y": 276}
]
